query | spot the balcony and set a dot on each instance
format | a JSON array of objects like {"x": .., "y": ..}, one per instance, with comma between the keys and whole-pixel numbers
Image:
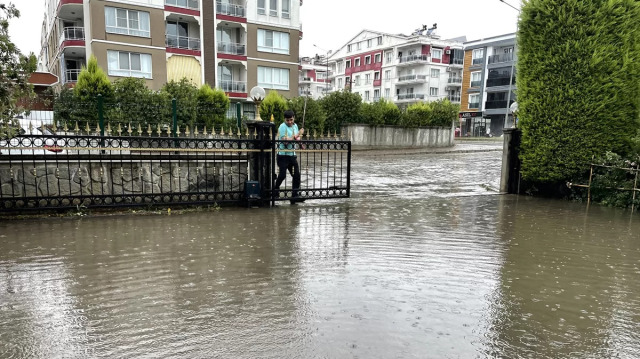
[
  {"x": 474, "y": 105},
  {"x": 184, "y": 45},
  {"x": 234, "y": 10},
  {"x": 183, "y": 4},
  {"x": 73, "y": 33},
  {"x": 500, "y": 81},
  {"x": 455, "y": 80},
  {"x": 411, "y": 96},
  {"x": 414, "y": 78},
  {"x": 478, "y": 61},
  {"x": 476, "y": 83},
  {"x": 456, "y": 61},
  {"x": 71, "y": 75},
  {"x": 495, "y": 104},
  {"x": 232, "y": 48},
  {"x": 233, "y": 86},
  {"x": 454, "y": 98},
  {"x": 304, "y": 92},
  {"x": 305, "y": 80},
  {"x": 495, "y": 59},
  {"x": 412, "y": 59}
]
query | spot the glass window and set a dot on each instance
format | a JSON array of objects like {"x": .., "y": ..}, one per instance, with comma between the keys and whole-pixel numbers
[
  {"x": 273, "y": 78},
  {"x": 369, "y": 43},
  {"x": 376, "y": 75},
  {"x": 378, "y": 58},
  {"x": 376, "y": 94},
  {"x": 389, "y": 57},
  {"x": 129, "y": 64},
  {"x": 379, "y": 40},
  {"x": 285, "y": 9},
  {"x": 435, "y": 73},
  {"x": 262, "y": 8},
  {"x": 433, "y": 91},
  {"x": 357, "y": 62},
  {"x": 436, "y": 53},
  {"x": 367, "y": 60},
  {"x": 273, "y": 41},
  {"x": 348, "y": 48},
  {"x": 366, "y": 95},
  {"x": 273, "y": 7},
  {"x": 348, "y": 63},
  {"x": 127, "y": 22},
  {"x": 387, "y": 74},
  {"x": 387, "y": 93},
  {"x": 477, "y": 54}
]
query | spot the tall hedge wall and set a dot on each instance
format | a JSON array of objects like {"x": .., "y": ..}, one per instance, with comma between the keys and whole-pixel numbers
[{"x": 578, "y": 84}]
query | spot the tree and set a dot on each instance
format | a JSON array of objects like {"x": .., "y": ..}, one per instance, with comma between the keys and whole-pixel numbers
[
  {"x": 341, "y": 108},
  {"x": 92, "y": 81},
  {"x": 443, "y": 113},
  {"x": 390, "y": 112},
  {"x": 185, "y": 94},
  {"x": 212, "y": 107},
  {"x": 578, "y": 89},
  {"x": 136, "y": 104},
  {"x": 418, "y": 114},
  {"x": 312, "y": 118},
  {"x": 273, "y": 104},
  {"x": 15, "y": 70}
]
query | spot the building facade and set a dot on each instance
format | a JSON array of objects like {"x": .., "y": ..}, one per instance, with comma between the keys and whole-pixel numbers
[
  {"x": 229, "y": 44},
  {"x": 489, "y": 86},
  {"x": 313, "y": 80},
  {"x": 404, "y": 69}
]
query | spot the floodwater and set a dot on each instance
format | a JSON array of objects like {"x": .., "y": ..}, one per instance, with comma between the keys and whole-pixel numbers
[{"x": 425, "y": 260}]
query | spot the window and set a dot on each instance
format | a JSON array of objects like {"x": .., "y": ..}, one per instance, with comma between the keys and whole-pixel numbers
[
  {"x": 388, "y": 56},
  {"x": 379, "y": 40},
  {"x": 129, "y": 64},
  {"x": 285, "y": 9},
  {"x": 378, "y": 58},
  {"x": 189, "y": 4},
  {"x": 367, "y": 60},
  {"x": 357, "y": 82},
  {"x": 177, "y": 34},
  {"x": 367, "y": 79},
  {"x": 273, "y": 78},
  {"x": 387, "y": 93},
  {"x": 477, "y": 54},
  {"x": 348, "y": 48},
  {"x": 435, "y": 73},
  {"x": 476, "y": 79},
  {"x": 366, "y": 95},
  {"x": 359, "y": 45},
  {"x": 262, "y": 8},
  {"x": 436, "y": 53},
  {"x": 273, "y": 7},
  {"x": 348, "y": 64},
  {"x": 387, "y": 74},
  {"x": 433, "y": 91},
  {"x": 340, "y": 67},
  {"x": 369, "y": 43},
  {"x": 273, "y": 41},
  {"x": 126, "y": 22},
  {"x": 357, "y": 62},
  {"x": 376, "y": 94},
  {"x": 376, "y": 75},
  {"x": 474, "y": 101},
  {"x": 339, "y": 83}
]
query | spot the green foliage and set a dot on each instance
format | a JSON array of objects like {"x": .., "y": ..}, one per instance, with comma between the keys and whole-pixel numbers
[
  {"x": 578, "y": 89},
  {"x": 186, "y": 95},
  {"x": 417, "y": 115},
  {"x": 380, "y": 113},
  {"x": 391, "y": 113},
  {"x": 608, "y": 182},
  {"x": 135, "y": 103},
  {"x": 15, "y": 70},
  {"x": 92, "y": 81},
  {"x": 273, "y": 104},
  {"x": 212, "y": 107},
  {"x": 444, "y": 113},
  {"x": 312, "y": 118},
  {"x": 341, "y": 107}
]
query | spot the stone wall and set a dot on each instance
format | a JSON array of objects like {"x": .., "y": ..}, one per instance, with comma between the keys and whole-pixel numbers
[
  {"x": 370, "y": 137},
  {"x": 114, "y": 178}
]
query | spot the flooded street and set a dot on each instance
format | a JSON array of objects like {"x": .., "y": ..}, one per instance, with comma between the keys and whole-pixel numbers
[{"x": 425, "y": 260}]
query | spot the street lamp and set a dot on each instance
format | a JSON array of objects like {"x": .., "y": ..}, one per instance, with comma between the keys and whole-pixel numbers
[
  {"x": 257, "y": 95},
  {"x": 513, "y": 61},
  {"x": 326, "y": 61}
]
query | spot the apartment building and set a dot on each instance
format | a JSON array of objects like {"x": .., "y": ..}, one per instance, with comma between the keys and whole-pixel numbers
[
  {"x": 313, "y": 81},
  {"x": 489, "y": 85},
  {"x": 404, "y": 69},
  {"x": 230, "y": 44}
]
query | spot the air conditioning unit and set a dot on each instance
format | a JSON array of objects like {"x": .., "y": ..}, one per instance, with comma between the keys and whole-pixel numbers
[{"x": 448, "y": 52}]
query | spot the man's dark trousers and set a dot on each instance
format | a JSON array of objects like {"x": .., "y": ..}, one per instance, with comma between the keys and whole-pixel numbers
[{"x": 284, "y": 162}]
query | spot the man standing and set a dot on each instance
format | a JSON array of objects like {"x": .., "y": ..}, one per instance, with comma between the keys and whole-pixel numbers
[{"x": 286, "y": 157}]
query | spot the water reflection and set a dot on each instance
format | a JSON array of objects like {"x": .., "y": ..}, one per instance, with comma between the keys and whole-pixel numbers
[{"x": 400, "y": 270}]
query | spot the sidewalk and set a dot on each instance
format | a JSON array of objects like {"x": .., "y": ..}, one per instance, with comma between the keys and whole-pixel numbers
[{"x": 460, "y": 146}]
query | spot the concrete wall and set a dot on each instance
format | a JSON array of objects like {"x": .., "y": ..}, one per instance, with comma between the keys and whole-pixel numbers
[
  {"x": 49, "y": 180},
  {"x": 371, "y": 137}
]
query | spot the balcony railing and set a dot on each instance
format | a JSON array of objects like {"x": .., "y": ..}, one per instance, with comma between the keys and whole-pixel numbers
[
  {"x": 414, "y": 77},
  {"x": 304, "y": 93},
  {"x": 412, "y": 58},
  {"x": 474, "y": 104},
  {"x": 500, "y": 81},
  {"x": 187, "y": 4},
  {"x": 454, "y": 98},
  {"x": 457, "y": 61},
  {"x": 478, "y": 61},
  {"x": 230, "y": 9},
  {"x": 494, "y": 59},
  {"x": 495, "y": 104},
  {"x": 71, "y": 75},
  {"x": 411, "y": 96},
  {"x": 232, "y": 48},
  {"x": 232, "y": 86},
  {"x": 72, "y": 33},
  {"x": 454, "y": 80},
  {"x": 476, "y": 83},
  {"x": 307, "y": 79},
  {"x": 183, "y": 42}
]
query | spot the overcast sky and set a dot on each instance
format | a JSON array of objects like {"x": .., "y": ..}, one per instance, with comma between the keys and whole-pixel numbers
[{"x": 329, "y": 24}]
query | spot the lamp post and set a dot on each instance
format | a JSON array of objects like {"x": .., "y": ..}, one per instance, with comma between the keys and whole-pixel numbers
[
  {"x": 257, "y": 95},
  {"x": 326, "y": 61},
  {"x": 513, "y": 61}
]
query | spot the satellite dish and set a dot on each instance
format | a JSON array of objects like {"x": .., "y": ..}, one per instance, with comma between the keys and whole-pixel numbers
[{"x": 514, "y": 107}]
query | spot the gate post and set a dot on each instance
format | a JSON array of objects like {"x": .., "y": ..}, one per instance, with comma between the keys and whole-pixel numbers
[
  {"x": 260, "y": 163},
  {"x": 510, "y": 176}
]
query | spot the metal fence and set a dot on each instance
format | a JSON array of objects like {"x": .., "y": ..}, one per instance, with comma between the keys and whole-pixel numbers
[
  {"x": 47, "y": 167},
  {"x": 615, "y": 183}
]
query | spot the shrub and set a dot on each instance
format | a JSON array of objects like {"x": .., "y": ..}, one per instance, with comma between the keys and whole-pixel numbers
[
  {"x": 212, "y": 107},
  {"x": 313, "y": 118},
  {"x": 185, "y": 94},
  {"x": 273, "y": 104},
  {"x": 418, "y": 114},
  {"x": 341, "y": 107}
]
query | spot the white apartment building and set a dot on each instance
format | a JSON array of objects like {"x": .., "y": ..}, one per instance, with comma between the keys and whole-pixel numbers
[
  {"x": 400, "y": 68},
  {"x": 313, "y": 81}
]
